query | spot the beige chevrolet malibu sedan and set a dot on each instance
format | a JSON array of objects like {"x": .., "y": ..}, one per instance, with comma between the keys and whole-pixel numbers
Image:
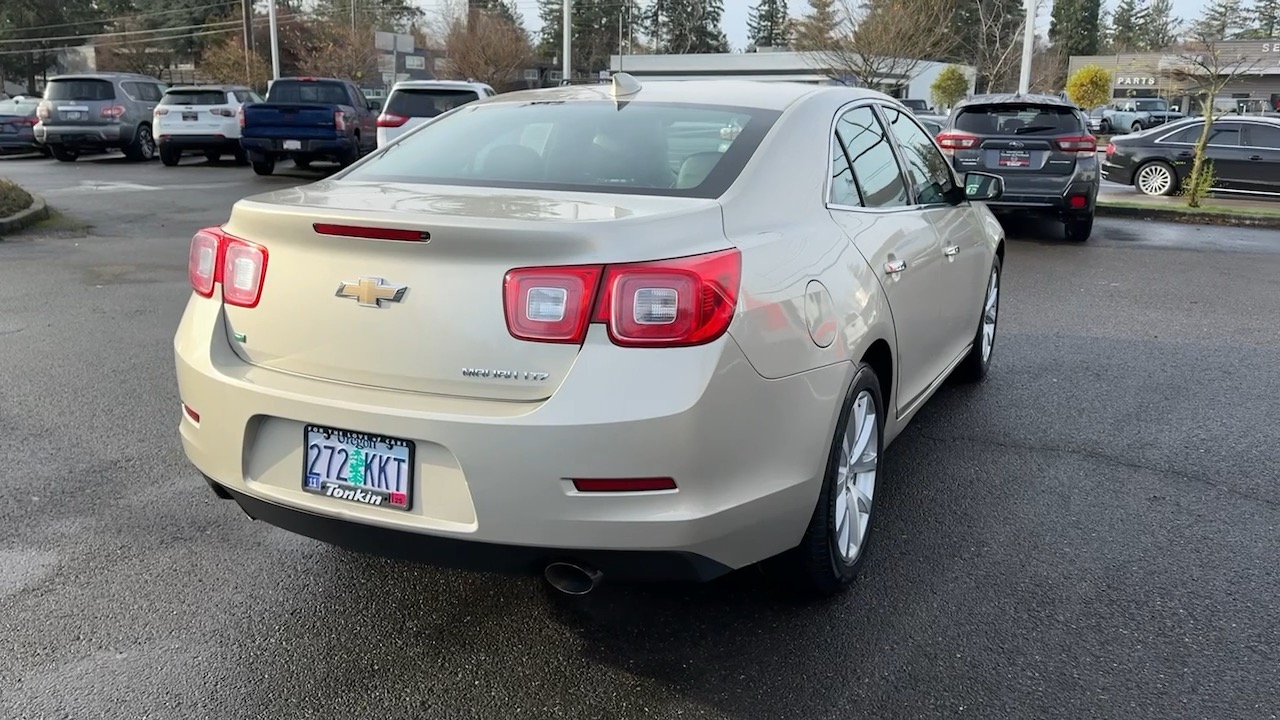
[{"x": 653, "y": 331}]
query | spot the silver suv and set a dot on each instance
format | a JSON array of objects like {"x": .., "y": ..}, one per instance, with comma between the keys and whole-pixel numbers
[{"x": 99, "y": 111}]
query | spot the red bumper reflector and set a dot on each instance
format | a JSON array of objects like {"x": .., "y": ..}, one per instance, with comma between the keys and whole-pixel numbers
[
  {"x": 195, "y": 416},
  {"x": 1078, "y": 201},
  {"x": 372, "y": 233},
  {"x": 623, "y": 484}
]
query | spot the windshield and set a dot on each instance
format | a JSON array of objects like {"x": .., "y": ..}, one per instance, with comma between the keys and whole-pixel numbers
[
  {"x": 83, "y": 90},
  {"x": 1018, "y": 120},
  {"x": 303, "y": 91},
  {"x": 194, "y": 97},
  {"x": 644, "y": 148},
  {"x": 1151, "y": 105},
  {"x": 427, "y": 102}
]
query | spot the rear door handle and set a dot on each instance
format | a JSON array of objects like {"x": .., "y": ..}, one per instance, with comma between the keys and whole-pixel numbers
[
  {"x": 951, "y": 250},
  {"x": 1186, "y": 154},
  {"x": 895, "y": 266},
  {"x": 1255, "y": 157}
]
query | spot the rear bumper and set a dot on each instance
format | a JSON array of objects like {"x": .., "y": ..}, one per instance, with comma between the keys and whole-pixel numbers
[
  {"x": 491, "y": 488},
  {"x": 198, "y": 142},
  {"x": 84, "y": 135},
  {"x": 275, "y": 148},
  {"x": 1018, "y": 197}
]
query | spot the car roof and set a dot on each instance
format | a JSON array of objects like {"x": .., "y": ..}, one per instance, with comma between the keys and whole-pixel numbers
[
  {"x": 759, "y": 94},
  {"x": 103, "y": 76},
  {"x": 212, "y": 86},
  {"x": 438, "y": 83},
  {"x": 1015, "y": 99}
]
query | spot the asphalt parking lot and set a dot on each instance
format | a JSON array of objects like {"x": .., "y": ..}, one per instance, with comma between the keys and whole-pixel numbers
[{"x": 1092, "y": 533}]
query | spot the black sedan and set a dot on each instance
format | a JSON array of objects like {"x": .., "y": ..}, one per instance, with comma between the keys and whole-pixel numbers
[
  {"x": 1244, "y": 150},
  {"x": 17, "y": 126}
]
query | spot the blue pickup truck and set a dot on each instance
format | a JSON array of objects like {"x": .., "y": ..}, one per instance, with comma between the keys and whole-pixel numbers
[{"x": 306, "y": 119}]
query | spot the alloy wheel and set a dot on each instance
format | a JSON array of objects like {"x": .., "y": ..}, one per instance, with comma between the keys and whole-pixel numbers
[
  {"x": 856, "y": 477},
  {"x": 146, "y": 143},
  {"x": 1155, "y": 180},
  {"x": 989, "y": 310}
]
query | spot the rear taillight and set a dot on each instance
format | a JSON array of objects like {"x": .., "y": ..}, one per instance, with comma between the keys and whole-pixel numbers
[
  {"x": 1111, "y": 149},
  {"x": 112, "y": 111},
  {"x": 25, "y": 121},
  {"x": 956, "y": 140},
  {"x": 340, "y": 120},
  {"x": 550, "y": 304},
  {"x": 666, "y": 303},
  {"x": 1082, "y": 145},
  {"x": 240, "y": 116},
  {"x": 240, "y": 266},
  {"x": 224, "y": 112},
  {"x": 44, "y": 110},
  {"x": 389, "y": 120}
]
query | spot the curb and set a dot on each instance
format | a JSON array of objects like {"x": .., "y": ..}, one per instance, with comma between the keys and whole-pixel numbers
[
  {"x": 38, "y": 211},
  {"x": 1188, "y": 216}
]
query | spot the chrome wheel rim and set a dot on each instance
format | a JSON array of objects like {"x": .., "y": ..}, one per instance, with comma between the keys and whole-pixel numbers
[
  {"x": 148, "y": 144},
  {"x": 856, "y": 477},
  {"x": 989, "y": 310},
  {"x": 1154, "y": 180}
]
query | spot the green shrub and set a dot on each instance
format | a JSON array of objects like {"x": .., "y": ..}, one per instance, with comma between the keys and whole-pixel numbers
[{"x": 13, "y": 199}]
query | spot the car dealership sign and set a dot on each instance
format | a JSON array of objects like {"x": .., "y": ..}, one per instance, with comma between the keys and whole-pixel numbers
[{"x": 1135, "y": 81}]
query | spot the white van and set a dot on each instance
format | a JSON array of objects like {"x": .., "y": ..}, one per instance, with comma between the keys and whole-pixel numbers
[{"x": 412, "y": 102}]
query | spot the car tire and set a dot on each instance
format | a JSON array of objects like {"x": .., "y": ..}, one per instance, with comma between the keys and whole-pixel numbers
[
  {"x": 213, "y": 156},
  {"x": 170, "y": 156},
  {"x": 1077, "y": 229},
  {"x": 264, "y": 167},
  {"x": 301, "y": 162},
  {"x": 1156, "y": 178},
  {"x": 143, "y": 147},
  {"x": 977, "y": 364},
  {"x": 62, "y": 153},
  {"x": 826, "y": 561},
  {"x": 242, "y": 157},
  {"x": 1136, "y": 127},
  {"x": 1104, "y": 128}
]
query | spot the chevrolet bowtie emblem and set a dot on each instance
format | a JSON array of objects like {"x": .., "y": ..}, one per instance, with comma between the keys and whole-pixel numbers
[{"x": 371, "y": 291}]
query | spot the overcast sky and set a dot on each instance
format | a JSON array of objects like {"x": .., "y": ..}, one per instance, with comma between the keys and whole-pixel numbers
[{"x": 736, "y": 11}]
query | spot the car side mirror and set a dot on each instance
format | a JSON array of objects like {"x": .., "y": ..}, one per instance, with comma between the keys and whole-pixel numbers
[
  {"x": 983, "y": 186},
  {"x": 375, "y": 106}
]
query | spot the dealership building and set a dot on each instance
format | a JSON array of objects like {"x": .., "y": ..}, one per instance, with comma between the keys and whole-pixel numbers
[
  {"x": 767, "y": 64},
  {"x": 1147, "y": 75}
]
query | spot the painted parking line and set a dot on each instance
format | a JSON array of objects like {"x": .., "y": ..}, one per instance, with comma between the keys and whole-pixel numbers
[{"x": 128, "y": 187}]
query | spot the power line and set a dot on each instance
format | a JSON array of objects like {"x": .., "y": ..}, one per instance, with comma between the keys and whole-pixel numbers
[
  {"x": 120, "y": 34},
  {"x": 140, "y": 41},
  {"x": 136, "y": 16}
]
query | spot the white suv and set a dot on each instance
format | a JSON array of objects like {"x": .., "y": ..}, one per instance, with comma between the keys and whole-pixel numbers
[
  {"x": 413, "y": 102},
  {"x": 201, "y": 118}
]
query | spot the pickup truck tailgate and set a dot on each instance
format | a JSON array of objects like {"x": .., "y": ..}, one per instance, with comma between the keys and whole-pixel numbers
[{"x": 264, "y": 116}]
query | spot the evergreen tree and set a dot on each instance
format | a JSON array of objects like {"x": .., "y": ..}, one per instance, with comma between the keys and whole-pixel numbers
[
  {"x": 816, "y": 30},
  {"x": 1266, "y": 19},
  {"x": 1074, "y": 26},
  {"x": 505, "y": 9},
  {"x": 1222, "y": 20},
  {"x": 769, "y": 24},
  {"x": 596, "y": 26},
  {"x": 1158, "y": 28},
  {"x": 387, "y": 15},
  {"x": 686, "y": 26},
  {"x": 1126, "y": 26}
]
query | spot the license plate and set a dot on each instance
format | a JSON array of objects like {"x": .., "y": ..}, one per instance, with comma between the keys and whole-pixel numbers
[
  {"x": 190, "y": 116},
  {"x": 1014, "y": 158},
  {"x": 292, "y": 144},
  {"x": 72, "y": 116},
  {"x": 358, "y": 467}
]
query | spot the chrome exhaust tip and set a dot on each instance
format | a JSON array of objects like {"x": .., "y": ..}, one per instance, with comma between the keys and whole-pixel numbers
[{"x": 572, "y": 579}]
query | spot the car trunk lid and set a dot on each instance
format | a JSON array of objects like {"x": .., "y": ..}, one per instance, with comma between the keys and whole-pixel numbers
[{"x": 447, "y": 332}]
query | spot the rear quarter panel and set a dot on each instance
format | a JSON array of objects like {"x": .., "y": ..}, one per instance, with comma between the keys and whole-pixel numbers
[{"x": 776, "y": 213}]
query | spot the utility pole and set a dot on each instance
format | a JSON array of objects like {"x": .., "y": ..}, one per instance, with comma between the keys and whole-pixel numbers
[
  {"x": 275, "y": 40},
  {"x": 1028, "y": 46},
  {"x": 568, "y": 40},
  {"x": 246, "y": 15},
  {"x": 353, "y": 15}
]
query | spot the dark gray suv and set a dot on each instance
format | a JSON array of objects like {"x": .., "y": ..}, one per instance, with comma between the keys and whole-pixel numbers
[
  {"x": 99, "y": 111},
  {"x": 1040, "y": 145}
]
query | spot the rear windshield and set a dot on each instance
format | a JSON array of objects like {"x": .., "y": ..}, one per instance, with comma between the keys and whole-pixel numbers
[
  {"x": 1012, "y": 119},
  {"x": 638, "y": 148},
  {"x": 1151, "y": 105},
  {"x": 81, "y": 90},
  {"x": 18, "y": 107},
  {"x": 915, "y": 104},
  {"x": 427, "y": 102},
  {"x": 302, "y": 91},
  {"x": 194, "y": 97}
]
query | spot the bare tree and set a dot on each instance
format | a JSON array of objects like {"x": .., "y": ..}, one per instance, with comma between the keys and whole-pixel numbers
[
  {"x": 335, "y": 49},
  {"x": 883, "y": 42},
  {"x": 1204, "y": 68},
  {"x": 994, "y": 46},
  {"x": 487, "y": 48}
]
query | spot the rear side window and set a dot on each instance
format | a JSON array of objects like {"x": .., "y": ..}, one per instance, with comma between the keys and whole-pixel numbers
[
  {"x": 425, "y": 103},
  {"x": 300, "y": 91},
  {"x": 639, "y": 148},
  {"x": 189, "y": 97},
  {"x": 876, "y": 174},
  {"x": 1018, "y": 119},
  {"x": 1263, "y": 136},
  {"x": 1188, "y": 134},
  {"x": 86, "y": 90}
]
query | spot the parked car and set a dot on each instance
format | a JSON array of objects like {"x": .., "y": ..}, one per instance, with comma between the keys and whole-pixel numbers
[
  {"x": 413, "y": 102},
  {"x": 1040, "y": 145},
  {"x": 202, "y": 119},
  {"x": 1097, "y": 120},
  {"x": 932, "y": 122},
  {"x": 17, "y": 126},
  {"x": 917, "y": 105},
  {"x": 306, "y": 119},
  {"x": 99, "y": 111},
  {"x": 528, "y": 338},
  {"x": 1138, "y": 114},
  {"x": 1244, "y": 150}
]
